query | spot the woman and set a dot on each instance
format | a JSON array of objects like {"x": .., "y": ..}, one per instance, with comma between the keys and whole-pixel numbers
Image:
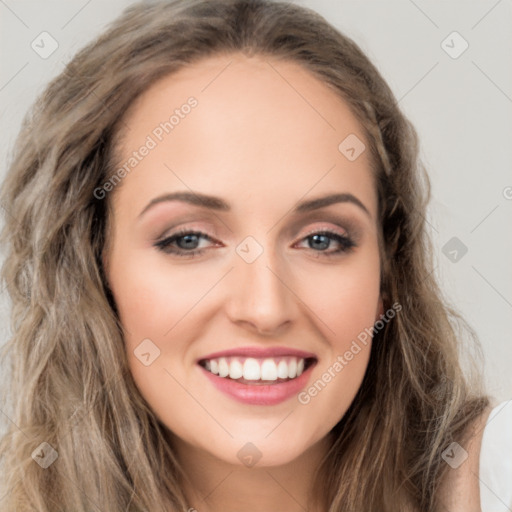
[{"x": 301, "y": 355}]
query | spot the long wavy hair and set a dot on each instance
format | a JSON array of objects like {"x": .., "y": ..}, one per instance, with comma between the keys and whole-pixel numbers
[{"x": 69, "y": 382}]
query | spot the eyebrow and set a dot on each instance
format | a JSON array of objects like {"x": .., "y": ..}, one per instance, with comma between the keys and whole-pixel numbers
[{"x": 218, "y": 204}]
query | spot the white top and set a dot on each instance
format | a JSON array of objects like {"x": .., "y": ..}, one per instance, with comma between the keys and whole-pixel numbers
[{"x": 496, "y": 461}]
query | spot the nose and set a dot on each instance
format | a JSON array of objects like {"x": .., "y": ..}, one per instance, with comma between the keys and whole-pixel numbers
[{"x": 262, "y": 297}]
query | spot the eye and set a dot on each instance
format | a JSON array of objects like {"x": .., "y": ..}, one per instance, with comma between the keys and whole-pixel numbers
[
  {"x": 187, "y": 243},
  {"x": 322, "y": 240}
]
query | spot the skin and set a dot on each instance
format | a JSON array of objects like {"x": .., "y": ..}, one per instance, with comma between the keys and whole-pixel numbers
[
  {"x": 460, "y": 489},
  {"x": 263, "y": 137}
]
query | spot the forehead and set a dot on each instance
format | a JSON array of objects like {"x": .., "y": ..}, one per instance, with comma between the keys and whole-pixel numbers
[{"x": 258, "y": 124}]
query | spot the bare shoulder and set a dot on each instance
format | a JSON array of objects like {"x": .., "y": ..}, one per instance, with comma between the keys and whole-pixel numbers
[{"x": 460, "y": 488}]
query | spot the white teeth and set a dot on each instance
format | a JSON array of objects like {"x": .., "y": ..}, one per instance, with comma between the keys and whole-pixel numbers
[
  {"x": 282, "y": 370},
  {"x": 214, "y": 366},
  {"x": 268, "y": 369},
  {"x": 223, "y": 367},
  {"x": 292, "y": 369},
  {"x": 252, "y": 370},
  {"x": 235, "y": 370}
]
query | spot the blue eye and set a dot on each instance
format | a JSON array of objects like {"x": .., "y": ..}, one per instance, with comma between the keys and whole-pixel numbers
[
  {"x": 322, "y": 239},
  {"x": 187, "y": 243}
]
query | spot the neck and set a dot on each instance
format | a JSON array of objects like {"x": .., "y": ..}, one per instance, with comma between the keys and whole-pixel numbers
[{"x": 213, "y": 485}]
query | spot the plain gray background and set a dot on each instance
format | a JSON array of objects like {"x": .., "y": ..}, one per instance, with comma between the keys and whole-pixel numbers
[{"x": 460, "y": 103}]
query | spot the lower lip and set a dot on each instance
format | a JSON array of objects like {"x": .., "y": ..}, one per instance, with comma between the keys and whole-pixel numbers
[{"x": 260, "y": 394}]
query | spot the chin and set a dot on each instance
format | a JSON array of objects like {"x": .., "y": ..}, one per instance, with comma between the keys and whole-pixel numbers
[{"x": 252, "y": 456}]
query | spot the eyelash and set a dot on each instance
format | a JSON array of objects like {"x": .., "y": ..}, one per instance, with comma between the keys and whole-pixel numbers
[{"x": 164, "y": 245}]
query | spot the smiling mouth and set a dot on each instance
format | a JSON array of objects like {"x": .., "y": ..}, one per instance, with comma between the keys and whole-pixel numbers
[{"x": 258, "y": 371}]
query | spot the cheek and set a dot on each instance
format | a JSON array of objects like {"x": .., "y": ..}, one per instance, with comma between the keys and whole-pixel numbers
[
  {"x": 153, "y": 296},
  {"x": 161, "y": 310},
  {"x": 346, "y": 304},
  {"x": 156, "y": 308},
  {"x": 345, "y": 297}
]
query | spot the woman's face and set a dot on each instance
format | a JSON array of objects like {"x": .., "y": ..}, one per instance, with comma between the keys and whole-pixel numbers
[{"x": 266, "y": 278}]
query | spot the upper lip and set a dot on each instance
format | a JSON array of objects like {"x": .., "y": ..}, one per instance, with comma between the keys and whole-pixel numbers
[{"x": 259, "y": 352}]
